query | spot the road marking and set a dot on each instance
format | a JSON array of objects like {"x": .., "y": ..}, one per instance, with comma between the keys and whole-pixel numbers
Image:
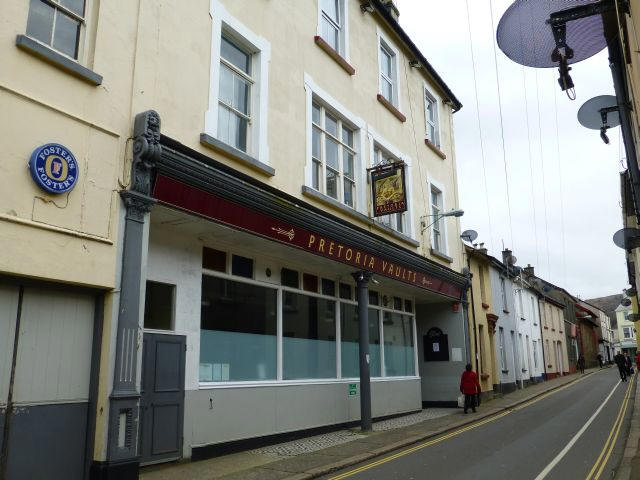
[
  {"x": 613, "y": 437},
  {"x": 455, "y": 432},
  {"x": 575, "y": 438}
]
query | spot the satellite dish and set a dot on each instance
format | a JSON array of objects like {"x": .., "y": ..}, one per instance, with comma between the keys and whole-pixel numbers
[
  {"x": 526, "y": 37},
  {"x": 591, "y": 112},
  {"x": 469, "y": 235},
  {"x": 627, "y": 238},
  {"x": 511, "y": 260},
  {"x": 546, "y": 289},
  {"x": 625, "y": 302}
]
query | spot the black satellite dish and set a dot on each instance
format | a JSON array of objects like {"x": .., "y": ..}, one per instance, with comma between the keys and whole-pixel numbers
[
  {"x": 469, "y": 235},
  {"x": 552, "y": 33},
  {"x": 625, "y": 302},
  {"x": 627, "y": 238},
  {"x": 600, "y": 113}
]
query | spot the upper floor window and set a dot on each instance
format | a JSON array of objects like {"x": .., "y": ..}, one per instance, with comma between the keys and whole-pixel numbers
[
  {"x": 503, "y": 291},
  {"x": 234, "y": 112},
  {"x": 397, "y": 221},
  {"x": 388, "y": 84},
  {"x": 438, "y": 223},
  {"x": 627, "y": 332},
  {"x": 58, "y": 24},
  {"x": 333, "y": 155},
  {"x": 333, "y": 23},
  {"x": 431, "y": 118}
]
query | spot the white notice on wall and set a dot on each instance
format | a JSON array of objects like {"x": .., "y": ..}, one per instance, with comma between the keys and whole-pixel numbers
[
  {"x": 436, "y": 347},
  {"x": 456, "y": 354}
]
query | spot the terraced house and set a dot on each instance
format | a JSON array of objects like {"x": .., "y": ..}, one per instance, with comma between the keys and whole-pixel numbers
[{"x": 198, "y": 230}]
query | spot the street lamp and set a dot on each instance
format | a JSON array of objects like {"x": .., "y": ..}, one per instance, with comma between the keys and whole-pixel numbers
[{"x": 452, "y": 213}]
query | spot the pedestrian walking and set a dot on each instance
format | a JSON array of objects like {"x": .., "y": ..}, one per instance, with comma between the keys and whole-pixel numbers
[
  {"x": 638, "y": 361},
  {"x": 581, "y": 363},
  {"x": 622, "y": 367},
  {"x": 628, "y": 363},
  {"x": 470, "y": 387},
  {"x": 600, "y": 360}
]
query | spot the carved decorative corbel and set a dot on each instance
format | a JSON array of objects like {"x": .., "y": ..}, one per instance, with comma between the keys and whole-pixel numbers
[{"x": 146, "y": 151}]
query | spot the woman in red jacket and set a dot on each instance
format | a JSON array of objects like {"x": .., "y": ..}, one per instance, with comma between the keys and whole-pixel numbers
[{"x": 470, "y": 387}]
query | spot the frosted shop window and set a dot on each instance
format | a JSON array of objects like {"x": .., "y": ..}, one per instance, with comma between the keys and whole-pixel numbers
[
  {"x": 238, "y": 336},
  {"x": 398, "y": 344},
  {"x": 350, "y": 333}
]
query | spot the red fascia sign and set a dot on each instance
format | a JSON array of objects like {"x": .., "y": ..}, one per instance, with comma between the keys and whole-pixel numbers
[{"x": 185, "y": 197}]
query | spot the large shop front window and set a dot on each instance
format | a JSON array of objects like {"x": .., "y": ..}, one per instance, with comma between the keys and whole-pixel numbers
[
  {"x": 238, "y": 337},
  {"x": 349, "y": 345},
  {"x": 333, "y": 155},
  {"x": 398, "y": 345}
]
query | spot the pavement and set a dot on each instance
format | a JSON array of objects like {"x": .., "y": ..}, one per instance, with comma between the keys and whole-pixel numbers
[
  {"x": 315, "y": 457},
  {"x": 629, "y": 468}
]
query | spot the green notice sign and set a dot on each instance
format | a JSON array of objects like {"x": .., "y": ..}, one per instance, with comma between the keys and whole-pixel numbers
[{"x": 353, "y": 389}]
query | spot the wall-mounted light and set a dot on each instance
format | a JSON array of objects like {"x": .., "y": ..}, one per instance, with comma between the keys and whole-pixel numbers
[
  {"x": 366, "y": 7},
  {"x": 415, "y": 63},
  {"x": 452, "y": 213}
]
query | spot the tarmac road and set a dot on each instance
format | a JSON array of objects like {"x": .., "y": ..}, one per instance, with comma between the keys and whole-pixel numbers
[{"x": 575, "y": 432}]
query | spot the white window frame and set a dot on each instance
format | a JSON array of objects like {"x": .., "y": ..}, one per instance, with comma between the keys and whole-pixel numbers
[
  {"x": 343, "y": 39},
  {"x": 503, "y": 351},
  {"x": 626, "y": 330},
  {"x": 384, "y": 41},
  {"x": 433, "y": 184},
  {"x": 82, "y": 35},
  {"x": 376, "y": 140},
  {"x": 260, "y": 48},
  {"x": 503, "y": 292},
  {"x": 313, "y": 90},
  {"x": 429, "y": 96}
]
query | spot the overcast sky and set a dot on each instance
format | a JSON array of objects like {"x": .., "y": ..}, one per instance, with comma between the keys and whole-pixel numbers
[{"x": 580, "y": 184}]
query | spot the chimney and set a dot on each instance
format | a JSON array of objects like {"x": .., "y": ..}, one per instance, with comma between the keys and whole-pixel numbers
[
  {"x": 483, "y": 249},
  {"x": 393, "y": 10},
  {"x": 528, "y": 271},
  {"x": 506, "y": 254}
]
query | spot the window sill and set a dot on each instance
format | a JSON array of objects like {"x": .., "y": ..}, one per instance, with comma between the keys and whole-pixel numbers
[
  {"x": 58, "y": 60},
  {"x": 389, "y": 106},
  {"x": 289, "y": 383},
  {"x": 441, "y": 256},
  {"x": 321, "y": 197},
  {"x": 435, "y": 148},
  {"x": 238, "y": 155},
  {"x": 339, "y": 59}
]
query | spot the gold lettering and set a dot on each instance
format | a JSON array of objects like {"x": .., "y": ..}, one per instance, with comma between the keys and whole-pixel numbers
[
  {"x": 348, "y": 254},
  {"x": 357, "y": 258},
  {"x": 321, "y": 245},
  {"x": 397, "y": 271},
  {"x": 414, "y": 276},
  {"x": 404, "y": 272},
  {"x": 384, "y": 265},
  {"x": 331, "y": 248},
  {"x": 390, "y": 271},
  {"x": 340, "y": 247},
  {"x": 371, "y": 263},
  {"x": 312, "y": 240},
  {"x": 364, "y": 262}
]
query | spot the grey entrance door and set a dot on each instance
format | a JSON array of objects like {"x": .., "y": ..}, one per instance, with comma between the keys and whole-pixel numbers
[{"x": 162, "y": 401}]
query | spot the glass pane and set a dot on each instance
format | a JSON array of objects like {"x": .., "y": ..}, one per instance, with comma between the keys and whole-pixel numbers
[
  {"x": 387, "y": 89},
  {"x": 226, "y": 85},
  {"x": 349, "y": 344},
  {"x": 238, "y": 331},
  {"x": 308, "y": 337},
  {"x": 40, "y": 22},
  {"x": 436, "y": 240},
  {"x": 347, "y": 136},
  {"x": 235, "y": 55},
  {"x": 241, "y": 95},
  {"x": 430, "y": 110},
  {"x": 214, "y": 259},
  {"x": 66, "y": 35},
  {"x": 158, "y": 306},
  {"x": 330, "y": 34},
  {"x": 331, "y": 8},
  {"x": 347, "y": 164},
  {"x": 385, "y": 62},
  {"x": 399, "y": 222},
  {"x": 328, "y": 287},
  {"x": 332, "y": 184},
  {"x": 241, "y": 133},
  {"x": 398, "y": 345},
  {"x": 331, "y": 147},
  {"x": 76, "y": 6},
  {"x": 331, "y": 125},
  {"x": 348, "y": 192},
  {"x": 290, "y": 278},
  {"x": 345, "y": 291},
  {"x": 315, "y": 175},
  {"x": 316, "y": 138},
  {"x": 223, "y": 124},
  {"x": 431, "y": 133},
  {"x": 242, "y": 266},
  {"x": 315, "y": 114}
]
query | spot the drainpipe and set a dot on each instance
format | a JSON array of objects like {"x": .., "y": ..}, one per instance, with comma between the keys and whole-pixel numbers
[
  {"x": 465, "y": 315},
  {"x": 544, "y": 358},
  {"x": 473, "y": 312}
]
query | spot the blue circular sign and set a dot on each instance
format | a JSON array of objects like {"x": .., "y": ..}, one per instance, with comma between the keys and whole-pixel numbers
[{"x": 54, "y": 168}]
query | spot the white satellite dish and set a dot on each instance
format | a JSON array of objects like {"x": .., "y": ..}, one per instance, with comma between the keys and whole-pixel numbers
[
  {"x": 469, "y": 235},
  {"x": 591, "y": 112}
]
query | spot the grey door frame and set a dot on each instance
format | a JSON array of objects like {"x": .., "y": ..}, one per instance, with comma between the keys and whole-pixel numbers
[
  {"x": 98, "y": 321},
  {"x": 144, "y": 393}
]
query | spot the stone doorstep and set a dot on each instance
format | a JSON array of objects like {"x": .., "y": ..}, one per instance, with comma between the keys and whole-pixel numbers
[{"x": 347, "y": 462}]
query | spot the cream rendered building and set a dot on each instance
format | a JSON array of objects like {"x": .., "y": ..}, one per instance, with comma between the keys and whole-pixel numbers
[
  {"x": 222, "y": 176},
  {"x": 556, "y": 362}
]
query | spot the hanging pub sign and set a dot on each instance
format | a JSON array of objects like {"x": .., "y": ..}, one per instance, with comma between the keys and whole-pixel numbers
[{"x": 388, "y": 189}]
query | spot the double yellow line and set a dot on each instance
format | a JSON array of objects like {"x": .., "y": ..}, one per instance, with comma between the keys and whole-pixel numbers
[
  {"x": 454, "y": 433},
  {"x": 601, "y": 462}
]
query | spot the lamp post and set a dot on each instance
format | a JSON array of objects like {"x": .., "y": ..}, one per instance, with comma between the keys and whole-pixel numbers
[{"x": 362, "y": 296}]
